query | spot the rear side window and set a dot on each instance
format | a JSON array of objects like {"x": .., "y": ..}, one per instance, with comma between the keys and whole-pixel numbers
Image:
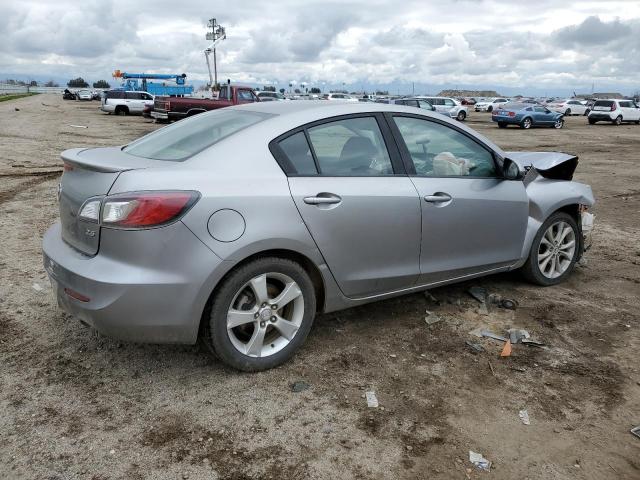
[
  {"x": 134, "y": 95},
  {"x": 190, "y": 136},
  {"x": 625, "y": 104},
  {"x": 351, "y": 147},
  {"x": 299, "y": 154},
  {"x": 114, "y": 94}
]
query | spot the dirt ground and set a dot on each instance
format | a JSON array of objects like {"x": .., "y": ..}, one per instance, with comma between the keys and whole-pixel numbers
[{"x": 78, "y": 405}]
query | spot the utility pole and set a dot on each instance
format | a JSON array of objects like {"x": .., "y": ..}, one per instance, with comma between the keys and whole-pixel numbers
[{"x": 216, "y": 35}]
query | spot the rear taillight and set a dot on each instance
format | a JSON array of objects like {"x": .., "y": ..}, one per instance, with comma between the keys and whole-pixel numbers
[
  {"x": 67, "y": 167},
  {"x": 146, "y": 209},
  {"x": 613, "y": 108},
  {"x": 512, "y": 114}
]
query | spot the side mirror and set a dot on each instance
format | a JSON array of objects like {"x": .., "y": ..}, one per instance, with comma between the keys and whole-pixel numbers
[{"x": 511, "y": 170}]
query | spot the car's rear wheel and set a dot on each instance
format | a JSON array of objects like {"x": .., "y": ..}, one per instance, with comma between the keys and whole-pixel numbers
[
  {"x": 490, "y": 109},
  {"x": 122, "y": 111},
  {"x": 618, "y": 120},
  {"x": 260, "y": 315},
  {"x": 554, "y": 251},
  {"x": 461, "y": 115},
  {"x": 502, "y": 124},
  {"x": 526, "y": 123},
  {"x": 559, "y": 123}
]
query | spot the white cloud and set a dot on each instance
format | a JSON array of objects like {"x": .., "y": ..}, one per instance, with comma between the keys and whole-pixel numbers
[{"x": 465, "y": 42}]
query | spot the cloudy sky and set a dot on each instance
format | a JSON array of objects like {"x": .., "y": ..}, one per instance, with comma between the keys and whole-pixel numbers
[{"x": 543, "y": 46}]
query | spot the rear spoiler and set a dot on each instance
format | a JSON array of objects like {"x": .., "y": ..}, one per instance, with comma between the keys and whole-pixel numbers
[{"x": 108, "y": 159}]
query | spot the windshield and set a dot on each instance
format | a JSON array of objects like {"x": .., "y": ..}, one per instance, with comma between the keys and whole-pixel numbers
[{"x": 190, "y": 136}]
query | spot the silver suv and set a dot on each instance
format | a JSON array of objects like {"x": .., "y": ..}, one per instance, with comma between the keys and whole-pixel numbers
[{"x": 121, "y": 102}]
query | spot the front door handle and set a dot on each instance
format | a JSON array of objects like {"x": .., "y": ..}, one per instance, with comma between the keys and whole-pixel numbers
[
  {"x": 323, "y": 199},
  {"x": 437, "y": 198}
]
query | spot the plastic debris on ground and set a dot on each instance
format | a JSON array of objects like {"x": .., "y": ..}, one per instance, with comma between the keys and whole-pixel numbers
[
  {"x": 636, "y": 431},
  {"x": 432, "y": 318},
  {"x": 299, "y": 386},
  {"x": 506, "y": 350},
  {"x": 37, "y": 287},
  {"x": 479, "y": 293},
  {"x": 524, "y": 416},
  {"x": 479, "y": 461},
  {"x": 78, "y": 126},
  {"x": 372, "y": 400},
  {"x": 475, "y": 347}
]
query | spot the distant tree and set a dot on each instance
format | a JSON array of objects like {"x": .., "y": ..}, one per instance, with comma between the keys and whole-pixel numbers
[
  {"x": 282, "y": 90},
  {"x": 77, "y": 83},
  {"x": 314, "y": 90},
  {"x": 51, "y": 83},
  {"x": 33, "y": 83},
  {"x": 297, "y": 90},
  {"x": 101, "y": 84},
  {"x": 269, "y": 88},
  {"x": 382, "y": 92}
]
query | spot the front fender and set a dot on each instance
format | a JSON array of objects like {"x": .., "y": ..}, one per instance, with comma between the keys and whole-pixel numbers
[{"x": 546, "y": 197}]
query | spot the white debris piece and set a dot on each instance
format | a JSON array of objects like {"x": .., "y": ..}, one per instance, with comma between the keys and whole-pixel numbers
[
  {"x": 479, "y": 461},
  {"x": 524, "y": 416},
  {"x": 37, "y": 287},
  {"x": 372, "y": 400}
]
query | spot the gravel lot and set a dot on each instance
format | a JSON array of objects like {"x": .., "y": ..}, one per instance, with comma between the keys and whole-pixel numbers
[{"x": 77, "y": 405}]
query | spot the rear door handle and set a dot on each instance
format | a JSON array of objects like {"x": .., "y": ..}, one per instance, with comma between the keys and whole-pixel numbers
[
  {"x": 437, "y": 198},
  {"x": 320, "y": 199}
]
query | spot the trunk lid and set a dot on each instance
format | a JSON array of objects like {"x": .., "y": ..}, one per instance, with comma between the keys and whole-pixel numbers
[{"x": 89, "y": 174}]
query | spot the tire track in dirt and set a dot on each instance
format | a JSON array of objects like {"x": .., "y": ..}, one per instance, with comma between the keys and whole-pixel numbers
[{"x": 36, "y": 179}]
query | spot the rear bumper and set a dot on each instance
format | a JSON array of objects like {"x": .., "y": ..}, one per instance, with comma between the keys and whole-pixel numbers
[
  {"x": 603, "y": 117},
  {"x": 144, "y": 286},
  {"x": 508, "y": 120},
  {"x": 108, "y": 108}
]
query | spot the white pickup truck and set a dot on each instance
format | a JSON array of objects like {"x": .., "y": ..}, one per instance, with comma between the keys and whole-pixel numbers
[{"x": 121, "y": 102}]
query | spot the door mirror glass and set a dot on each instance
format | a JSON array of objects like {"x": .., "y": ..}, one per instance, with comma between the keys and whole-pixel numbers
[{"x": 511, "y": 170}]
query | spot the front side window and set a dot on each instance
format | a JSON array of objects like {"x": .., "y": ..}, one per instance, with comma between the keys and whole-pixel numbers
[
  {"x": 425, "y": 105},
  {"x": 245, "y": 96},
  {"x": 449, "y": 103},
  {"x": 441, "y": 151},
  {"x": 351, "y": 147}
]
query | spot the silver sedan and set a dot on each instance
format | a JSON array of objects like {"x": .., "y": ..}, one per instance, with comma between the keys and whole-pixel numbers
[{"x": 238, "y": 225}]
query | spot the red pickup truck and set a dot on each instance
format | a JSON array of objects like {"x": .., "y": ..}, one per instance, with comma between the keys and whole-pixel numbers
[{"x": 175, "y": 108}]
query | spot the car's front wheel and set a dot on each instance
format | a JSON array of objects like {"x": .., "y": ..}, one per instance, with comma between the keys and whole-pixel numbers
[
  {"x": 554, "y": 251},
  {"x": 592, "y": 121},
  {"x": 567, "y": 112},
  {"x": 461, "y": 115},
  {"x": 559, "y": 123},
  {"x": 260, "y": 315}
]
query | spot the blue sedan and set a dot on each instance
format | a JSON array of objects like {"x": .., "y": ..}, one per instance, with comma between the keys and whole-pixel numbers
[{"x": 526, "y": 116}]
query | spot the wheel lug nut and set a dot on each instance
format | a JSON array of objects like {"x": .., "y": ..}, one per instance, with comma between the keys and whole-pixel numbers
[
  {"x": 264, "y": 305},
  {"x": 273, "y": 319},
  {"x": 262, "y": 324},
  {"x": 274, "y": 307},
  {"x": 255, "y": 315}
]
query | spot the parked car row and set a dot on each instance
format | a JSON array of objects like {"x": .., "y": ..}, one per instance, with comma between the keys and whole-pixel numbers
[
  {"x": 552, "y": 115},
  {"x": 82, "y": 94}
]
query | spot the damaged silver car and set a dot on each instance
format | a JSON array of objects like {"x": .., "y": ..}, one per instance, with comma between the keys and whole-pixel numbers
[{"x": 238, "y": 226}]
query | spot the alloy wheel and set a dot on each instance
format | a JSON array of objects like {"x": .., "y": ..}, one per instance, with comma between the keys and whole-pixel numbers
[
  {"x": 559, "y": 123},
  {"x": 265, "y": 314},
  {"x": 556, "y": 250},
  {"x": 526, "y": 123}
]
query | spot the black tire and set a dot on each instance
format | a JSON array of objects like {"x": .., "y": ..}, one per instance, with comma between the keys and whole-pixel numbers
[
  {"x": 637, "y": 122},
  {"x": 461, "y": 116},
  {"x": 121, "y": 111},
  {"x": 567, "y": 112},
  {"x": 490, "y": 109},
  {"x": 586, "y": 112},
  {"x": 558, "y": 124},
  {"x": 214, "y": 329},
  {"x": 526, "y": 123},
  {"x": 502, "y": 125},
  {"x": 592, "y": 121},
  {"x": 531, "y": 270},
  {"x": 618, "y": 120}
]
